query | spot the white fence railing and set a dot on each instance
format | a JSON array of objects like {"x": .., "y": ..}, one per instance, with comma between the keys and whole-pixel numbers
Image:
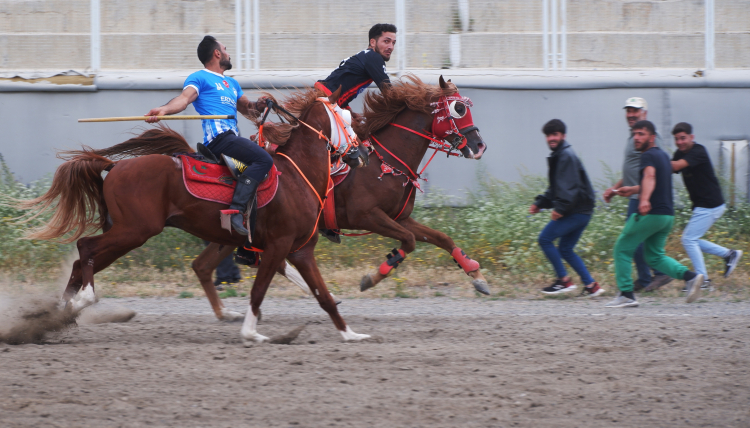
[{"x": 299, "y": 34}]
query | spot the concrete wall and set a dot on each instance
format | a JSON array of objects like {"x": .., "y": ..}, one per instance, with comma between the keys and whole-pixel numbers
[
  {"x": 302, "y": 34},
  {"x": 35, "y": 124}
]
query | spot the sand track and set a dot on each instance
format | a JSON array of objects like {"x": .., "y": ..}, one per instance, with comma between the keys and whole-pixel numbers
[{"x": 441, "y": 362}]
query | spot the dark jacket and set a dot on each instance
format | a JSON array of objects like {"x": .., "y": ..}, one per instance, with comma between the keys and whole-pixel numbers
[{"x": 569, "y": 190}]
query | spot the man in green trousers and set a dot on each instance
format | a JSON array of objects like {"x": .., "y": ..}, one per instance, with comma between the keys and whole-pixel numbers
[{"x": 652, "y": 223}]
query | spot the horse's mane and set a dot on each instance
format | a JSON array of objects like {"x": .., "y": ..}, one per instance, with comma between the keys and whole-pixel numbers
[
  {"x": 381, "y": 108},
  {"x": 296, "y": 103}
]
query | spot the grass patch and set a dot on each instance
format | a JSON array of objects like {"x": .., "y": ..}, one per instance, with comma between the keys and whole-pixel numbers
[
  {"x": 230, "y": 292},
  {"x": 185, "y": 295},
  {"x": 494, "y": 228}
]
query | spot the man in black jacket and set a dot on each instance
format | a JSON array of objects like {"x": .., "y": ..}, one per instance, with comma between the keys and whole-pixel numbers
[{"x": 571, "y": 198}]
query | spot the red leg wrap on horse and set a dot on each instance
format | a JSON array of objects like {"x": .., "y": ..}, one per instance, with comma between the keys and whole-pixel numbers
[
  {"x": 394, "y": 259},
  {"x": 464, "y": 261}
]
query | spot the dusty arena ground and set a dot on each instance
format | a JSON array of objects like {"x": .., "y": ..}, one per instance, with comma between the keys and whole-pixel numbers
[{"x": 435, "y": 362}]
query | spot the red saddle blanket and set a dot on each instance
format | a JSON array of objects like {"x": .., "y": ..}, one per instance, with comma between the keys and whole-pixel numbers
[{"x": 214, "y": 183}]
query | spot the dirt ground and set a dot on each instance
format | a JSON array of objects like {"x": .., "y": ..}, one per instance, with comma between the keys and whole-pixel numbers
[{"x": 437, "y": 362}]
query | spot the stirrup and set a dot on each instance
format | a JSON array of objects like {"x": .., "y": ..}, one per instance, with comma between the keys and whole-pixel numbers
[{"x": 331, "y": 235}]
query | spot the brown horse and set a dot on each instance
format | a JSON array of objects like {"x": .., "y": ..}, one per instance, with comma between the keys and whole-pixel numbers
[
  {"x": 382, "y": 203},
  {"x": 142, "y": 195}
]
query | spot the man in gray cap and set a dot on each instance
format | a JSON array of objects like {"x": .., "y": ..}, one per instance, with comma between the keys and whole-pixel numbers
[{"x": 636, "y": 109}]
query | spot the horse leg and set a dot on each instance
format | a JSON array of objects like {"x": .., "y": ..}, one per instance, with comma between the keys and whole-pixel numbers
[
  {"x": 98, "y": 252},
  {"x": 273, "y": 258},
  {"x": 290, "y": 273},
  {"x": 304, "y": 260},
  {"x": 203, "y": 266},
  {"x": 74, "y": 283},
  {"x": 385, "y": 226},
  {"x": 424, "y": 234}
]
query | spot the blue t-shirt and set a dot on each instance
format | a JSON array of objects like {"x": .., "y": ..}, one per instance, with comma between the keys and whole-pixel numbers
[
  {"x": 217, "y": 95},
  {"x": 661, "y": 198}
]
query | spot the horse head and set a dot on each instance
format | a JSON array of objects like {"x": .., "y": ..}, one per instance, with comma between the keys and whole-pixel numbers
[{"x": 452, "y": 122}]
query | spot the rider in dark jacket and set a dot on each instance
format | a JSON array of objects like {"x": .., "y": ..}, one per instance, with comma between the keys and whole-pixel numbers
[{"x": 354, "y": 75}]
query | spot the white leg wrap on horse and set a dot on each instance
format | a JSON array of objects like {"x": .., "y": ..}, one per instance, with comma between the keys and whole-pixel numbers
[
  {"x": 84, "y": 298},
  {"x": 227, "y": 315},
  {"x": 249, "y": 331},
  {"x": 293, "y": 275},
  {"x": 349, "y": 335}
]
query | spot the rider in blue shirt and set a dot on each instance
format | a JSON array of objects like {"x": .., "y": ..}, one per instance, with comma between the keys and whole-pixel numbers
[{"x": 212, "y": 93}]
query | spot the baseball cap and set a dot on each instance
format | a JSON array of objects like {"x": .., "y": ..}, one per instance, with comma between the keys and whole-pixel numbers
[{"x": 636, "y": 102}]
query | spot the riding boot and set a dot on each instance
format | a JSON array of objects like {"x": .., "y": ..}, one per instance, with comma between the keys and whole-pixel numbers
[
  {"x": 333, "y": 235},
  {"x": 243, "y": 193}
]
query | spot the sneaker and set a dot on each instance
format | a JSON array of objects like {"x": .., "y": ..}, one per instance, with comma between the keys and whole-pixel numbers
[
  {"x": 593, "y": 291},
  {"x": 659, "y": 281},
  {"x": 731, "y": 261},
  {"x": 693, "y": 287},
  {"x": 706, "y": 286},
  {"x": 559, "y": 287},
  {"x": 622, "y": 302}
]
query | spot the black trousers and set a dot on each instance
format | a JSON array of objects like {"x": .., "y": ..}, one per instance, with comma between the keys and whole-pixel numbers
[{"x": 257, "y": 159}]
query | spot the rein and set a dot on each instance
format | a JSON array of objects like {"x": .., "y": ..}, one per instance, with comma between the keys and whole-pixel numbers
[{"x": 329, "y": 187}]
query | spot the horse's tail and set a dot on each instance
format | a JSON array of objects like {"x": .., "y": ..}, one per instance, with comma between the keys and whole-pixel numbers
[
  {"x": 161, "y": 140},
  {"x": 76, "y": 196}
]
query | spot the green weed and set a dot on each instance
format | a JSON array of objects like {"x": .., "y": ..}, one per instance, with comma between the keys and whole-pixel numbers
[
  {"x": 185, "y": 295},
  {"x": 230, "y": 292}
]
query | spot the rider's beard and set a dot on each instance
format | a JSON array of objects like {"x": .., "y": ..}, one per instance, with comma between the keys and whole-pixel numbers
[
  {"x": 225, "y": 63},
  {"x": 381, "y": 54}
]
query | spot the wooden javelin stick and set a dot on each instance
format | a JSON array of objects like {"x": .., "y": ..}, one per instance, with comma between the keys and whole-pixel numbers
[{"x": 137, "y": 118}]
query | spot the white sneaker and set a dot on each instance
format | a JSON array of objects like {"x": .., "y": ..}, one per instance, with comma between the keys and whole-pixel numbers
[
  {"x": 622, "y": 302},
  {"x": 694, "y": 288}
]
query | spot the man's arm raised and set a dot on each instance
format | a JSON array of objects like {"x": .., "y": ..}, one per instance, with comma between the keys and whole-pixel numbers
[{"x": 176, "y": 105}]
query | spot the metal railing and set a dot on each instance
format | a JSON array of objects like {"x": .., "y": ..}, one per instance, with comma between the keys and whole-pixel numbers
[{"x": 553, "y": 35}]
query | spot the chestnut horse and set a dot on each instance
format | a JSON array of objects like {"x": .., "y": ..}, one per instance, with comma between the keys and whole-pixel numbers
[
  {"x": 142, "y": 195},
  {"x": 397, "y": 123},
  {"x": 382, "y": 203}
]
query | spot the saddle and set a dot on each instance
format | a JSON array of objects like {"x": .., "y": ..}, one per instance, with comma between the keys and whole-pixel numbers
[{"x": 206, "y": 178}]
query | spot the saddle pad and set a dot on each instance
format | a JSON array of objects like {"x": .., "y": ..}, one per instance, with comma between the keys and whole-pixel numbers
[{"x": 214, "y": 183}]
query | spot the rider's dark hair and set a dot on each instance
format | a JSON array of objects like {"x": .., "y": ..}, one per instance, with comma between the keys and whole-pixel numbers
[
  {"x": 554, "y": 125},
  {"x": 647, "y": 125},
  {"x": 378, "y": 29},
  {"x": 682, "y": 127},
  {"x": 206, "y": 49}
]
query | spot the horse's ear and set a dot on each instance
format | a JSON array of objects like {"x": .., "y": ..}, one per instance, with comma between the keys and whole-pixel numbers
[
  {"x": 335, "y": 96},
  {"x": 442, "y": 82}
]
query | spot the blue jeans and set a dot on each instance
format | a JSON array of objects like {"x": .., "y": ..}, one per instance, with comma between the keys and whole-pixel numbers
[
  {"x": 702, "y": 220},
  {"x": 569, "y": 229},
  {"x": 644, "y": 272}
]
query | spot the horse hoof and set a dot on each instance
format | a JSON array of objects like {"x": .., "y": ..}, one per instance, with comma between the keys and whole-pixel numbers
[
  {"x": 481, "y": 286},
  {"x": 254, "y": 340},
  {"x": 350, "y": 336},
  {"x": 366, "y": 283},
  {"x": 231, "y": 316}
]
